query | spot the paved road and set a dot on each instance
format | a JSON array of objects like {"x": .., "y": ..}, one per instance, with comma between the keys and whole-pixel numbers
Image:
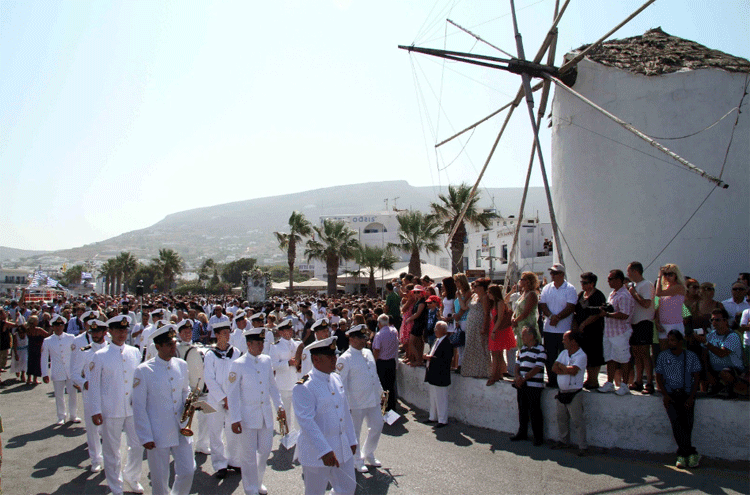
[{"x": 45, "y": 459}]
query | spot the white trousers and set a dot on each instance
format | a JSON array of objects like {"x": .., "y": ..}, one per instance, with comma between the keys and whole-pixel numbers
[
  {"x": 374, "y": 428},
  {"x": 222, "y": 454},
  {"x": 286, "y": 401},
  {"x": 256, "y": 447},
  {"x": 60, "y": 386},
  {"x": 341, "y": 478},
  {"x": 112, "y": 429},
  {"x": 201, "y": 443},
  {"x": 184, "y": 467},
  {"x": 93, "y": 434},
  {"x": 438, "y": 404}
]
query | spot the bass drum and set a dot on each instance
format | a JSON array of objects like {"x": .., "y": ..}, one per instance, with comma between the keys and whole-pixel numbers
[{"x": 194, "y": 355}]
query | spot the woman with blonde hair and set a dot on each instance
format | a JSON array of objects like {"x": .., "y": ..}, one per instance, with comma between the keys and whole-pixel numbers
[
  {"x": 476, "y": 361},
  {"x": 670, "y": 289},
  {"x": 527, "y": 307},
  {"x": 460, "y": 314}
]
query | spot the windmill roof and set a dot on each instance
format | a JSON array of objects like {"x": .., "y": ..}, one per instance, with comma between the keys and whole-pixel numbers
[{"x": 656, "y": 52}]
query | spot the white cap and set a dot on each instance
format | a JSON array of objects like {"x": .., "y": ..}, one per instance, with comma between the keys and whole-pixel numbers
[
  {"x": 221, "y": 325},
  {"x": 361, "y": 328},
  {"x": 255, "y": 316},
  {"x": 323, "y": 346},
  {"x": 320, "y": 324},
  {"x": 162, "y": 331},
  {"x": 285, "y": 324},
  {"x": 254, "y": 331},
  {"x": 119, "y": 321},
  {"x": 90, "y": 315},
  {"x": 58, "y": 317},
  {"x": 240, "y": 314}
]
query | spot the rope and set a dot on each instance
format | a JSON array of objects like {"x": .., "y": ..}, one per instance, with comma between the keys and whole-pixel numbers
[
  {"x": 726, "y": 156},
  {"x": 697, "y": 132}
]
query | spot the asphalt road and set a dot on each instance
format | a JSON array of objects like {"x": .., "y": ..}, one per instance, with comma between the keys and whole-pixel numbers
[{"x": 44, "y": 459}]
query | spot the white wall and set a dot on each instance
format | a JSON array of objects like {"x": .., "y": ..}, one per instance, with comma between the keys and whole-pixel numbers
[
  {"x": 615, "y": 205},
  {"x": 634, "y": 422}
]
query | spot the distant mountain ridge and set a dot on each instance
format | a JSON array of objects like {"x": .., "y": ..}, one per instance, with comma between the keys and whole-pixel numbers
[
  {"x": 245, "y": 228},
  {"x": 8, "y": 253}
]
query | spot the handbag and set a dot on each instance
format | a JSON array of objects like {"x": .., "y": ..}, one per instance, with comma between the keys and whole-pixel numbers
[
  {"x": 458, "y": 338},
  {"x": 566, "y": 397}
]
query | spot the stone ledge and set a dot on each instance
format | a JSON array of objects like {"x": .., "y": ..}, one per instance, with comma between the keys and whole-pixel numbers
[{"x": 632, "y": 422}]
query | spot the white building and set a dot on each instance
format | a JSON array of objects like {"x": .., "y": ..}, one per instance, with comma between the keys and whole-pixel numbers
[
  {"x": 617, "y": 198},
  {"x": 13, "y": 280}
]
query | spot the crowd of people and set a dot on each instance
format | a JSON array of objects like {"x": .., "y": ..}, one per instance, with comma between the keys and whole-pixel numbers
[{"x": 137, "y": 361}]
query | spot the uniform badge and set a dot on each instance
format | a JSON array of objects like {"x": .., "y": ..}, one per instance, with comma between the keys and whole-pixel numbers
[
  {"x": 232, "y": 377},
  {"x": 136, "y": 382},
  {"x": 340, "y": 366},
  {"x": 91, "y": 366},
  {"x": 304, "y": 356},
  {"x": 72, "y": 347}
]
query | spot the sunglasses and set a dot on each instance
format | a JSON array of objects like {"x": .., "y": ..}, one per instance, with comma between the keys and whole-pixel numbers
[{"x": 718, "y": 319}]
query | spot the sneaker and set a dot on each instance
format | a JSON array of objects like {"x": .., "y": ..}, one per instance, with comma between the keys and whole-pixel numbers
[
  {"x": 372, "y": 461},
  {"x": 606, "y": 388},
  {"x": 681, "y": 462},
  {"x": 361, "y": 468},
  {"x": 623, "y": 390},
  {"x": 95, "y": 468},
  {"x": 262, "y": 490},
  {"x": 694, "y": 460}
]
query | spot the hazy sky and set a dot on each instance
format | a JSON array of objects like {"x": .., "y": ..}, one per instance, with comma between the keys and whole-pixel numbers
[{"x": 115, "y": 113}]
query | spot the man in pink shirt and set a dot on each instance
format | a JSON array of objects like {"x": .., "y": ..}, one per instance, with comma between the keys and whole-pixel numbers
[{"x": 617, "y": 332}]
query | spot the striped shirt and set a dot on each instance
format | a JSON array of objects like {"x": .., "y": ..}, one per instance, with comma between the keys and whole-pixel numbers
[
  {"x": 530, "y": 357},
  {"x": 623, "y": 302}
]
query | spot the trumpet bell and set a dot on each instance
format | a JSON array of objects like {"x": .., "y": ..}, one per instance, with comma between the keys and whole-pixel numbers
[{"x": 186, "y": 432}]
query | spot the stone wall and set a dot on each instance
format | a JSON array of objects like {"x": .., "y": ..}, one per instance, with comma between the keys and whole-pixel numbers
[{"x": 633, "y": 422}]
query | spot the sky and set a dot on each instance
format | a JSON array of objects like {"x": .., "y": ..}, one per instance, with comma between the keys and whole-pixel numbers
[{"x": 116, "y": 113}]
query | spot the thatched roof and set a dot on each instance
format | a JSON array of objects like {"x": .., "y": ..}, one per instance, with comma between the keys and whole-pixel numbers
[{"x": 657, "y": 52}]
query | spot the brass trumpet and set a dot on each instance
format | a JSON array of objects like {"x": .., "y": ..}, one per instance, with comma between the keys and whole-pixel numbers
[
  {"x": 384, "y": 401},
  {"x": 283, "y": 426},
  {"x": 189, "y": 411}
]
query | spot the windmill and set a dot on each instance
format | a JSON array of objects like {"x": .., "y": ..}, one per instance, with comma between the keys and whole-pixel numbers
[{"x": 562, "y": 77}]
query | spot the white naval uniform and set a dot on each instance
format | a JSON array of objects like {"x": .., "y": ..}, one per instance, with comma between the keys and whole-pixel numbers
[
  {"x": 286, "y": 376},
  {"x": 252, "y": 388},
  {"x": 190, "y": 353},
  {"x": 216, "y": 373},
  {"x": 58, "y": 350},
  {"x": 359, "y": 376},
  {"x": 111, "y": 393},
  {"x": 159, "y": 391},
  {"x": 325, "y": 424},
  {"x": 236, "y": 339},
  {"x": 306, "y": 363},
  {"x": 80, "y": 369}
]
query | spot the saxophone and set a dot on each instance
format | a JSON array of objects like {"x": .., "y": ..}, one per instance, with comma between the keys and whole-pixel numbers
[
  {"x": 384, "y": 401},
  {"x": 189, "y": 410},
  {"x": 283, "y": 426}
]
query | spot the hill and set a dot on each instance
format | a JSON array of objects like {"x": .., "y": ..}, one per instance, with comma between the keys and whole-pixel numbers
[{"x": 245, "y": 228}]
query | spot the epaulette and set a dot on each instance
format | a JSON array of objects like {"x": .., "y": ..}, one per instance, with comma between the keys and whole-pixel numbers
[
  {"x": 86, "y": 348},
  {"x": 303, "y": 379}
]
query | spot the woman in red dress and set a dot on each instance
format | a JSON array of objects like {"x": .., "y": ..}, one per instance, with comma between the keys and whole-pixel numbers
[{"x": 501, "y": 334}]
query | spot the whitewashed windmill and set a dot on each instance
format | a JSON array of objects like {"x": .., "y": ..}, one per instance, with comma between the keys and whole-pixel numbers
[{"x": 563, "y": 77}]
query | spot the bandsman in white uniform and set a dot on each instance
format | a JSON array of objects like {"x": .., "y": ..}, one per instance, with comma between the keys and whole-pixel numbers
[
  {"x": 252, "y": 388},
  {"x": 82, "y": 359},
  {"x": 143, "y": 341},
  {"x": 258, "y": 320},
  {"x": 321, "y": 330},
  {"x": 111, "y": 386},
  {"x": 191, "y": 354},
  {"x": 148, "y": 344},
  {"x": 237, "y": 337},
  {"x": 327, "y": 441},
  {"x": 284, "y": 365},
  {"x": 359, "y": 375},
  {"x": 160, "y": 387},
  {"x": 57, "y": 351},
  {"x": 217, "y": 362}
]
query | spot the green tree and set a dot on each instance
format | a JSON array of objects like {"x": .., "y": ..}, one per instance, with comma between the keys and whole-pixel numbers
[
  {"x": 215, "y": 281},
  {"x": 148, "y": 273},
  {"x": 169, "y": 264},
  {"x": 205, "y": 269},
  {"x": 126, "y": 265},
  {"x": 109, "y": 270},
  {"x": 72, "y": 275},
  {"x": 335, "y": 242},
  {"x": 447, "y": 212},
  {"x": 232, "y": 272},
  {"x": 299, "y": 227},
  {"x": 373, "y": 258},
  {"x": 417, "y": 233}
]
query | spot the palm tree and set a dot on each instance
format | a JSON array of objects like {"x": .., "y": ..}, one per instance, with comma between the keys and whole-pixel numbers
[
  {"x": 447, "y": 213},
  {"x": 375, "y": 257},
  {"x": 127, "y": 264},
  {"x": 109, "y": 270},
  {"x": 169, "y": 264},
  {"x": 299, "y": 227},
  {"x": 417, "y": 232},
  {"x": 335, "y": 242}
]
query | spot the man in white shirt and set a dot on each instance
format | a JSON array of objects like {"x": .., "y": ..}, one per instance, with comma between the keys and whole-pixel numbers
[
  {"x": 736, "y": 304},
  {"x": 56, "y": 360},
  {"x": 359, "y": 375},
  {"x": 285, "y": 366},
  {"x": 569, "y": 366},
  {"x": 557, "y": 303}
]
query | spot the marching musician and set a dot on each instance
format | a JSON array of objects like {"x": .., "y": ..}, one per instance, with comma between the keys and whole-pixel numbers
[
  {"x": 191, "y": 354},
  {"x": 252, "y": 387},
  {"x": 160, "y": 387},
  {"x": 327, "y": 442},
  {"x": 237, "y": 337},
  {"x": 359, "y": 375},
  {"x": 111, "y": 386},
  {"x": 216, "y": 372},
  {"x": 285, "y": 365},
  {"x": 258, "y": 320},
  {"x": 96, "y": 330},
  {"x": 321, "y": 331},
  {"x": 57, "y": 350}
]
